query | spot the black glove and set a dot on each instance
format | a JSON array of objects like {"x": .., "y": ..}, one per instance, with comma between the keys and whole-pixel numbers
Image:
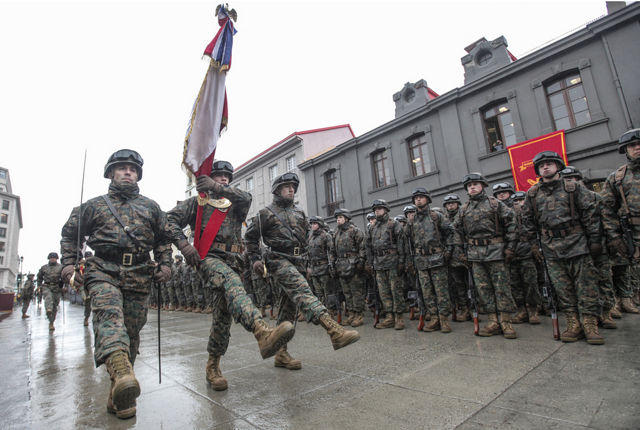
[
  {"x": 205, "y": 183},
  {"x": 162, "y": 275},
  {"x": 619, "y": 246},
  {"x": 258, "y": 268},
  {"x": 67, "y": 273},
  {"x": 537, "y": 254},
  {"x": 401, "y": 269},
  {"x": 509, "y": 256},
  {"x": 596, "y": 250},
  {"x": 190, "y": 253}
]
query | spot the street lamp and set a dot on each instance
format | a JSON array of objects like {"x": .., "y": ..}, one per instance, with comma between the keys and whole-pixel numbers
[{"x": 20, "y": 262}]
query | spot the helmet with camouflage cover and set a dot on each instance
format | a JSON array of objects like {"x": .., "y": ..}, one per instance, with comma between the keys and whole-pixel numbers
[
  {"x": 474, "y": 177},
  {"x": 222, "y": 167},
  {"x": 380, "y": 203},
  {"x": 410, "y": 208},
  {"x": 451, "y": 198},
  {"x": 371, "y": 216},
  {"x": 127, "y": 156},
  {"x": 318, "y": 220},
  {"x": 342, "y": 212},
  {"x": 287, "y": 178},
  {"x": 401, "y": 218},
  {"x": 503, "y": 186},
  {"x": 437, "y": 209},
  {"x": 420, "y": 192},
  {"x": 543, "y": 156},
  {"x": 518, "y": 195},
  {"x": 53, "y": 255},
  {"x": 572, "y": 172},
  {"x": 627, "y": 138}
]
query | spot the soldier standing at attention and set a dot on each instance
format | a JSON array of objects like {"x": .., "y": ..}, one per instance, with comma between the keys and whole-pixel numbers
[
  {"x": 222, "y": 266},
  {"x": 565, "y": 215},
  {"x": 457, "y": 270},
  {"x": 488, "y": 228},
  {"x": 51, "y": 283},
  {"x": 27, "y": 294},
  {"x": 371, "y": 220},
  {"x": 431, "y": 239},
  {"x": 283, "y": 228},
  {"x": 120, "y": 274},
  {"x": 350, "y": 258},
  {"x": 177, "y": 275},
  {"x": 320, "y": 251},
  {"x": 386, "y": 255}
]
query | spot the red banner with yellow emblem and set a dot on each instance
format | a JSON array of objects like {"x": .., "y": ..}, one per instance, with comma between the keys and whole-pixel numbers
[{"x": 522, "y": 157}]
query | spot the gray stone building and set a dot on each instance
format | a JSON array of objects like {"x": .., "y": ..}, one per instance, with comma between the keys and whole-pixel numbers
[
  {"x": 585, "y": 83},
  {"x": 10, "y": 225}
]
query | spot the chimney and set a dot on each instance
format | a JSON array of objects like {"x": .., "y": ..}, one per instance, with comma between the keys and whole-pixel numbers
[{"x": 614, "y": 6}]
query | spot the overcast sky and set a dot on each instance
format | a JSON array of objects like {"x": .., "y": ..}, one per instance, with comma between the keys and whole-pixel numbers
[{"x": 111, "y": 75}]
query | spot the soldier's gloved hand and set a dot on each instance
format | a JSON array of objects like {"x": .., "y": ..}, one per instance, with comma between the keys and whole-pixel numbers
[
  {"x": 360, "y": 268},
  {"x": 205, "y": 183},
  {"x": 258, "y": 268},
  {"x": 463, "y": 260},
  {"x": 411, "y": 268},
  {"x": 596, "y": 250},
  {"x": 537, "y": 254},
  {"x": 509, "y": 256},
  {"x": 618, "y": 246},
  {"x": 401, "y": 269},
  {"x": 190, "y": 253},
  {"x": 448, "y": 256},
  {"x": 67, "y": 273},
  {"x": 162, "y": 275},
  {"x": 368, "y": 269}
]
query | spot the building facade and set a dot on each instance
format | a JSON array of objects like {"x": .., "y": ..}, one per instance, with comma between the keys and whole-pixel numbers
[
  {"x": 585, "y": 83},
  {"x": 10, "y": 225}
]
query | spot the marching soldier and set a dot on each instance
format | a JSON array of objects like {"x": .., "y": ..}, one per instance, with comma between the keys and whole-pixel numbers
[
  {"x": 321, "y": 255},
  {"x": 123, "y": 227},
  {"x": 27, "y": 294},
  {"x": 522, "y": 271},
  {"x": 283, "y": 228},
  {"x": 51, "y": 284},
  {"x": 350, "y": 258},
  {"x": 430, "y": 237},
  {"x": 386, "y": 256},
  {"x": 457, "y": 270},
  {"x": 565, "y": 215},
  {"x": 488, "y": 229},
  {"x": 222, "y": 265}
]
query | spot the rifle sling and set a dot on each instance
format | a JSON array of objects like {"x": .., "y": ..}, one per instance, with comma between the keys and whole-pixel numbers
[
  {"x": 294, "y": 234},
  {"x": 127, "y": 229}
]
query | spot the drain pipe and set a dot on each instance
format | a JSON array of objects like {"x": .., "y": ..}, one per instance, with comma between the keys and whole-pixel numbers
[{"x": 616, "y": 80}]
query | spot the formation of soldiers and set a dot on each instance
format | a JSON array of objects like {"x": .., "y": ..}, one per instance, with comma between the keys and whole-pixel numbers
[{"x": 508, "y": 254}]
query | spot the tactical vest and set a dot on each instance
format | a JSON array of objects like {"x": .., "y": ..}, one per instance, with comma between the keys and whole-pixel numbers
[{"x": 576, "y": 225}]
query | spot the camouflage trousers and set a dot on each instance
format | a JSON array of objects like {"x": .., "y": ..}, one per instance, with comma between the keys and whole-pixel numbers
[
  {"x": 230, "y": 302},
  {"x": 118, "y": 318},
  {"x": 261, "y": 291},
  {"x": 169, "y": 294},
  {"x": 323, "y": 289},
  {"x": 435, "y": 290},
  {"x": 621, "y": 282},
  {"x": 634, "y": 275},
  {"x": 179, "y": 291},
  {"x": 198, "y": 294},
  {"x": 25, "y": 303},
  {"x": 51, "y": 301},
  {"x": 153, "y": 293},
  {"x": 188, "y": 294},
  {"x": 390, "y": 287},
  {"x": 86, "y": 299},
  {"x": 524, "y": 283},
  {"x": 355, "y": 292},
  {"x": 458, "y": 278},
  {"x": 294, "y": 292},
  {"x": 576, "y": 283},
  {"x": 492, "y": 282},
  {"x": 605, "y": 281}
]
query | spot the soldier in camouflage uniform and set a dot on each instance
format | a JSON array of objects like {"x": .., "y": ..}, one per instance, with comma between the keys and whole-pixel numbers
[
  {"x": 522, "y": 271},
  {"x": 51, "y": 284},
  {"x": 196, "y": 287},
  {"x": 169, "y": 293},
  {"x": 177, "y": 279},
  {"x": 84, "y": 294},
  {"x": 430, "y": 238},
  {"x": 283, "y": 228},
  {"x": 622, "y": 205},
  {"x": 386, "y": 255},
  {"x": 457, "y": 270},
  {"x": 27, "y": 294},
  {"x": 565, "y": 214},
  {"x": 221, "y": 268},
  {"x": 371, "y": 220},
  {"x": 350, "y": 258},
  {"x": 487, "y": 227},
  {"x": 321, "y": 254},
  {"x": 120, "y": 274},
  {"x": 187, "y": 288}
]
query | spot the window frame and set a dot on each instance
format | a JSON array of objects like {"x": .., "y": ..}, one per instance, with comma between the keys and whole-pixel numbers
[
  {"x": 272, "y": 169},
  {"x": 248, "y": 181},
  {"x": 423, "y": 147},
  {"x": 5, "y": 203},
  {"x": 333, "y": 190},
  {"x": 386, "y": 172},
  {"x": 293, "y": 157},
  {"x": 3, "y": 232},
  {"x": 497, "y": 120},
  {"x": 4, "y": 218},
  {"x": 568, "y": 103}
]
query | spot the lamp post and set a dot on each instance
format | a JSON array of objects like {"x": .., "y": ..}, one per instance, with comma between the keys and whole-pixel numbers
[{"x": 20, "y": 280}]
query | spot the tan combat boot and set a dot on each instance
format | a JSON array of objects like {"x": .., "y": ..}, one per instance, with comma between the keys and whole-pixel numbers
[
  {"x": 214, "y": 374},
  {"x": 125, "y": 387},
  {"x": 534, "y": 319},
  {"x": 349, "y": 321},
  {"x": 171, "y": 307},
  {"x": 521, "y": 317},
  {"x": 339, "y": 336},
  {"x": 179, "y": 308},
  {"x": 628, "y": 306},
  {"x": 434, "y": 324},
  {"x": 615, "y": 312},
  {"x": 574, "y": 329},
  {"x": 51, "y": 327},
  {"x": 188, "y": 309},
  {"x": 197, "y": 310},
  {"x": 86, "y": 321},
  {"x": 357, "y": 319},
  {"x": 399, "y": 321},
  {"x": 271, "y": 339},
  {"x": 636, "y": 298},
  {"x": 464, "y": 314},
  {"x": 607, "y": 320},
  {"x": 444, "y": 324},
  {"x": 492, "y": 327},
  {"x": 208, "y": 310},
  {"x": 124, "y": 414},
  {"x": 301, "y": 317},
  {"x": 507, "y": 328},
  {"x": 591, "y": 330},
  {"x": 283, "y": 359},
  {"x": 389, "y": 322}
]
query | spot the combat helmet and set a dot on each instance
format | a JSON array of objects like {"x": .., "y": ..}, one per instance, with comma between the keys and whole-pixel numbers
[
  {"x": 437, "y": 209},
  {"x": 222, "y": 167},
  {"x": 317, "y": 219},
  {"x": 572, "y": 172},
  {"x": 503, "y": 186},
  {"x": 371, "y": 216},
  {"x": 380, "y": 203},
  {"x": 627, "y": 138},
  {"x": 343, "y": 212},
  {"x": 124, "y": 156},
  {"x": 410, "y": 208},
  {"x": 451, "y": 198},
  {"x": 53, "y": 255},
  {"x": 420, "y": 192},
  {"x": 474, "y": 177},
  {"x": 287, "y": 178},
  {"x": 547, "y": 156},
  {"x": 518, "y": 195},
  {"x": 401, "y": 218}
]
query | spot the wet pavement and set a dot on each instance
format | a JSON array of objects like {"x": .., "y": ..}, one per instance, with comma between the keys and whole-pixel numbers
[{"x": 389, "y": 379}]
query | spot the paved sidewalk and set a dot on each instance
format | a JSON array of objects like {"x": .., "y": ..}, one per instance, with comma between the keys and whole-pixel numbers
[{"x": 389, "y": 379}]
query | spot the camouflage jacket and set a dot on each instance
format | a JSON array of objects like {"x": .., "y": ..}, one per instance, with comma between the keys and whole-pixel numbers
[
  {"x": 320, "y": 251},
  {"x": 49, "y": 276},
  {"x": 28, "y": 288},
  {"x": 429, "y": 236},
  {"x": 230, "y": 232},
  {"x": 177, "y": 275},
  {"x": 457, "y": 251},
  {"x": 552, "y": 201},
  {"x": 523, "y": 250},
  {"x": 478, "y": 223},
  {"x": 350, "y": 248},
  {"x": 106, "y": 235},
  {"x": 386, "y": 246},
  {"x": 614, "y": 207},
  {"x": 281, "y": 242}
]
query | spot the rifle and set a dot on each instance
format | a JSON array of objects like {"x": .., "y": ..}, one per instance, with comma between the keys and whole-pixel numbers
[
  {"x": 335, "y": 297},
  {"x": 159, "y": 300},
  {"x": 549, "y": 292},
  {"x": 265, "y": 253},
  {"x": 372, "y": 297},
  {"x": 77, "y": 267},
  {"x": 473, "y": 301},
  {"x": 628, "y": 235},
  {"x": 419, "y": 299},
  {"x": 453, "y": 296}
]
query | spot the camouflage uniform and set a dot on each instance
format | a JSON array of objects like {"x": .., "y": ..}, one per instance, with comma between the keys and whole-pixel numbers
[
  {"x": 320, "y": 250},
  {"x": 350, "y": 252},
  {"x": 222, "y": 266},
  {"x": 27, "y": 295},
  {"x": 177, "y": 279},
  {"x": 119, "y": 291},
  {"x": 51, "y": 284},
  {"x": 457, "y": 271},
  {"x": 602, "y": 264},
  {"x": 196, "y": 288}
]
